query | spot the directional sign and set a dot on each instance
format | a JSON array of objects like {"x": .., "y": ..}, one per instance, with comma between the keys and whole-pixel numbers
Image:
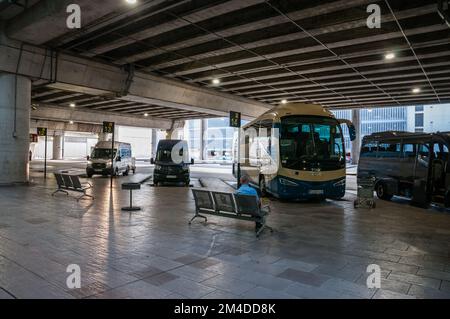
[
  {"x": 42, "y": 131},
  {"x": 108, "y": 127},
  {"x": 235, "y": 119}
]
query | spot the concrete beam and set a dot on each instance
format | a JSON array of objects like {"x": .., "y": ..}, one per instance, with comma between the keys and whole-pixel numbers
[
  {"x": 88, "y": 77},
  {"x": 61, "y": 114},
  {"x": 61, "y": 126},
  {"x": 46, "y": 20}
]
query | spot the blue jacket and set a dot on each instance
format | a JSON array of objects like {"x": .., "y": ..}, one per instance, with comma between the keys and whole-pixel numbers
[{"x": 246, "y": 189}]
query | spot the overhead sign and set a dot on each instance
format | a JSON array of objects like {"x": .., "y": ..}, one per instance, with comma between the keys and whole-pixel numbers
[
  {"x": 235, "y": 119},
  {"x": 108, "y": 127},
  {"x": 42, "y": 131}
]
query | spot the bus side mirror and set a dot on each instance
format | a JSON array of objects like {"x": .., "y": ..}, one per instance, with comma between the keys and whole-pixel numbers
[
  {"x": 152, "y": 161},
  {"x": 352, "y": 132},
  {"x": 351, "y": 128},
  {"x": 192, "y": 161}
]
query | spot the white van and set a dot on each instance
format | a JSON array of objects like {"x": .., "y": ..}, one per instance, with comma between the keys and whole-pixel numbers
[{"x": 100, "y": 160}]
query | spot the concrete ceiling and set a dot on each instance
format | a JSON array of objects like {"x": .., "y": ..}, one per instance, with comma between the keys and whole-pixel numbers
[{"x": 303, "y": 51}]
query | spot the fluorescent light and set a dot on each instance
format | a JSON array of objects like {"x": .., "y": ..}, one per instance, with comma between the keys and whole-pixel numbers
[
  {"x": 216, "y": 81},
  {"x": 416, "y": 90},
  {"x": 72, "y": 105},
  {"x": 284, "y": 101},
  {"x": 131, "y": 1},
  {"x": 70, "y": 122},
  {"x": 146, "y": 114},
  {"x": 389, "y": 56}
]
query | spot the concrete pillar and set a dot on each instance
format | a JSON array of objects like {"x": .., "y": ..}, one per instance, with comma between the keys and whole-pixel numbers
[
  {"x": 154, "y": 142},
  {"x": 356, "y": 144},
  {"x": 58, "y": 140},
  {"x": 103, "y": 137},
  {"x": 176, "y": 132},
  {"x": 203, "y": 136},
  {"x": 14, "y": 128}
]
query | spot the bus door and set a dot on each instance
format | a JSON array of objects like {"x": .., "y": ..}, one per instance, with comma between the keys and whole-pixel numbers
[
  {"x": 408, "y": 162},
  {"x": 421, "y": 169},
  {"x": 267, "y": 153},
  {"x": 440, "y": 171}
]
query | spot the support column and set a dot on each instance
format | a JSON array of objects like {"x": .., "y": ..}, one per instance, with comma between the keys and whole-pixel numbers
[
  {"x": 203, "y": 136},
  {"x": 58, "y": 145},
  {"x": 154, "y": 142},
  {"x": 103, "y": 137},
  {"x": 14, "y": 128},
  {"x": 356, "y": 144},
  {"x": 176, "y": 131}
]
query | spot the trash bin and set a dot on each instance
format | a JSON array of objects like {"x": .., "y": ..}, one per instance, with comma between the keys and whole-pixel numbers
[
  {"x": 131, "y": 187},
  {"x": 365, "y": 189}
]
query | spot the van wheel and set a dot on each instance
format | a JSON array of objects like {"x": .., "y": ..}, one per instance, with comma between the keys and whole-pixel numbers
[
  {"x": 382, "y": 193},
  {"x": 126, "y": 172},
  {"x": 262, "y": 186}
]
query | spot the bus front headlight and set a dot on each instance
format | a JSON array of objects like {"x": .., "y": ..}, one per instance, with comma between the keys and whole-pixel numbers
[
  {"x": 340, "y": 183},
  {"x": 287, "y": 182}
]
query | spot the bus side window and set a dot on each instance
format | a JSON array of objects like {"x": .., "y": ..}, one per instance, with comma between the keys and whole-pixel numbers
[
  {"x": 369, "y": 150},
  {"x": 391, "y": 150},
  {"x": 423, "y": 155},
  {"x": 409, "y": 150},
  {"x": 440, "y": 152}
]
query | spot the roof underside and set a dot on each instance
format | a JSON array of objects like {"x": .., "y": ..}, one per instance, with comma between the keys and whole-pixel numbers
[{"x": 311, "y": 51}]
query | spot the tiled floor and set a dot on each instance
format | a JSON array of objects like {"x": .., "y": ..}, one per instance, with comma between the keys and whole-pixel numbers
[{"x": 319, "y": 250}]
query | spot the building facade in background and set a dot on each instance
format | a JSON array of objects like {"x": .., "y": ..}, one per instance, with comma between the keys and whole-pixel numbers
[{"x": 420, "y": 118}]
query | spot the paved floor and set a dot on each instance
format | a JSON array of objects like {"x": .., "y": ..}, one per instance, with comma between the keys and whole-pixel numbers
[{"x": 319, "y": 250}]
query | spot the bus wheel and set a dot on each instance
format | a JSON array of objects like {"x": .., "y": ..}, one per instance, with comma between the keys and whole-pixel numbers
[
  {"x": 382, "y": 193},
  {"x": 262, "y": 186}
]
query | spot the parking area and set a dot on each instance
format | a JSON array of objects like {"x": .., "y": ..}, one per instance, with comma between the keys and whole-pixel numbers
[{"x": 318, "y": 249}]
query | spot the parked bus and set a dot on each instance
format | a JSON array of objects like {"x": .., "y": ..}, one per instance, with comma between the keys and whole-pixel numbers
[
  {"x": 414, "y": 165},
  {"x": 295, "y": 152}
]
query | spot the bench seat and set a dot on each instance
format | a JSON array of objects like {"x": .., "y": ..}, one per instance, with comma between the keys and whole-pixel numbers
[{"x": 242, "y": 207}]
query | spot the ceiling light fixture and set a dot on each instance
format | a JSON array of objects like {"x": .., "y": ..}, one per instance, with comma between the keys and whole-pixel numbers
[
  {"x": 216, "y": 81},
  {"x": 131, "y": 1},
  {"x": 70, "y": 122},
  {"x": 146, "y": 114},
  {"x": 284, "y": 101},
  {"x": 72, "y": 105},
  {"x": 389, "y": 56},
  {"x": 416, "y": 90}
]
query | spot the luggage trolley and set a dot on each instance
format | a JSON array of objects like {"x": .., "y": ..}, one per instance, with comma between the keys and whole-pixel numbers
[{"x": 365, "y": 198}]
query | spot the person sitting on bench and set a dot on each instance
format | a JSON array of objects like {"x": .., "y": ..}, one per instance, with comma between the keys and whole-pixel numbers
[{"x": 246, "y": 189}]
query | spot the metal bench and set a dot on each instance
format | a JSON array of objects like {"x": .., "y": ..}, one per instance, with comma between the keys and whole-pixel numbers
[
  {"x": 71, "y": 183},
  {"x": 243, "y": 207}
]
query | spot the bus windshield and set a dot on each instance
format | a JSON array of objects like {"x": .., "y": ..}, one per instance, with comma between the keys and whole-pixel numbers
[
  {"x": 308, "y": 142},
  {"x": 102, "y": 153}
]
